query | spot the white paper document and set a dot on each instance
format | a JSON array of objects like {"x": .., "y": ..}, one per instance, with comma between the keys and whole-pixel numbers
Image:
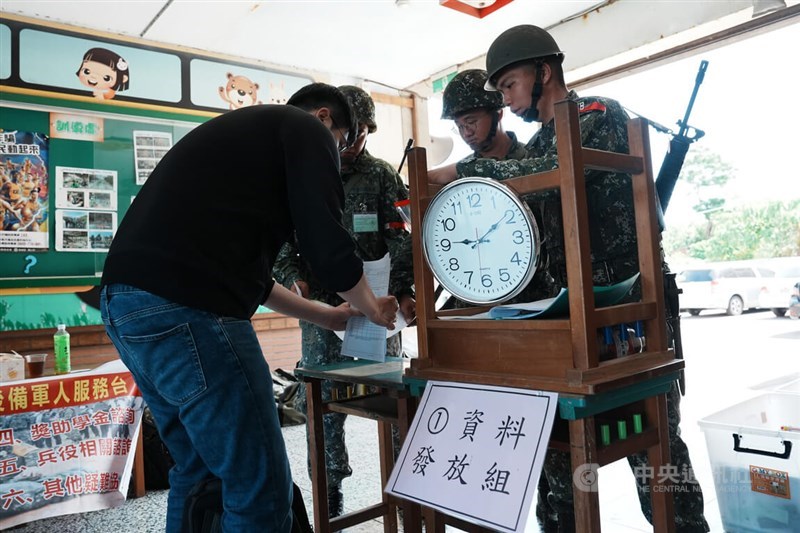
[
  {"x": 362, "y": 338},
  {"x": 476, "y": 452}
]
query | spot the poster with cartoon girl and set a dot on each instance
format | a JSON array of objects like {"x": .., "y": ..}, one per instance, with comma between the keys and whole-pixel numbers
[{"x": 104, "y": 72}]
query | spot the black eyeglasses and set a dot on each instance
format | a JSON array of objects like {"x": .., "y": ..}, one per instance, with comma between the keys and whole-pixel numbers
[{"x": 345, "y": 144}]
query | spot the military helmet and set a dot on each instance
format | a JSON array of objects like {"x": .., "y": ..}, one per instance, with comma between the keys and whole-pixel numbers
[
  {"x": 466, "y": 92},
  {"x": 362, "y": 105},
  {"x": 516, "y": 44}
]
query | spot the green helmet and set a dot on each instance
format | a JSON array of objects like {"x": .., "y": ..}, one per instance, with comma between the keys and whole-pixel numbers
[
  {"x": 362, "y": 105},
  {"x": 466, "y": 92},
  {"x": 516, "y": 44}
]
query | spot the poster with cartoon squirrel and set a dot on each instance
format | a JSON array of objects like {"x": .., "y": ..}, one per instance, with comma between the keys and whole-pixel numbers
[{"x": 239, "y": 92}]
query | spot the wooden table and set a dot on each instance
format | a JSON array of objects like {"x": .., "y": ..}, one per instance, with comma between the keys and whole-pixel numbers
[{"x": 392, "y": 404}]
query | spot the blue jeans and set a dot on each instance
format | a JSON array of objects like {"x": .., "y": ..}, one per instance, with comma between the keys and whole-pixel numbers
[{"x": 209, "y": 388}]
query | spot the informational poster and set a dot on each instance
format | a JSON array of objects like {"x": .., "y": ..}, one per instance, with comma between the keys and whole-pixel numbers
[
  {"x": 86, "y": 214},
  {"x": 476, "y": 452},
  {"x": 67, "y": 443},
  {"x": 24, "y": 206},
  {"x": 86, "y": 188},
  {"x": 84, "y": 231},
  {"x": 149, "y": 147}
]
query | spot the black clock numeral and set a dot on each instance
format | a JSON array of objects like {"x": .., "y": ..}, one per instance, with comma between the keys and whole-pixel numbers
[
  {"x": 518, "y": 237},
  {"x": 515, "y": 258},
  {"x": 504, "y": 275},
  {"x": 469, "y": 274},
  {"x": 453, "y": 264},
  {"x": 445, "y": 244},
  {"x": 448, "y": 224},
  {"x": 486, "y": 280},
  {"x": 510, "y": 215},
  {"x": 474, "y": 200},
  {"x": 457, "y": 208}
]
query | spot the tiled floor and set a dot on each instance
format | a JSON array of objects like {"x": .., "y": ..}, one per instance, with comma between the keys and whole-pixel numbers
[
  {"x": 722, "y": 371},
  {"x": 619, "y": 506}
]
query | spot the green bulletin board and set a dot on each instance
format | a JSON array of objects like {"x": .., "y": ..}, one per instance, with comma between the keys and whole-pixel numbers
[{"x": 53, "y": 268}]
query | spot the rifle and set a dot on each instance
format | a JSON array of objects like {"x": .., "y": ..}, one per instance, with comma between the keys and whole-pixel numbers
[
  {"x": 665, "y": 184},
  {"x": 405, "y": 153},
  {"x": 678, "y": 146}
]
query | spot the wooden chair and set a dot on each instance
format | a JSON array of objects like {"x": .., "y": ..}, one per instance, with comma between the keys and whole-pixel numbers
[{"x": 561, "y": 355}]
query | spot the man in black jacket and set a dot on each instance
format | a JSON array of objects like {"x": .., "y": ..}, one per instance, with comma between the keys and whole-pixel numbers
[{"x": 191, "y": 263}]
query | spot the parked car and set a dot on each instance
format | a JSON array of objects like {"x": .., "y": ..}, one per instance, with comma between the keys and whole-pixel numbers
[
  {"x": 794, "y": 302},
  {"x": 733, "y": 286},
  {"x": 777, "y": 292}
]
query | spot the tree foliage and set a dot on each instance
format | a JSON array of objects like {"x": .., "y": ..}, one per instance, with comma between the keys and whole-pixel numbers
[{"x": 730, "y": 230}]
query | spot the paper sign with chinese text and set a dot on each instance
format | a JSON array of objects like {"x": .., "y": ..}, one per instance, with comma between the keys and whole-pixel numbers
[
  {"x": 476, "y": 452},
  {"x": 76, "y": 127},
  {"x": 67, "y": 443}
]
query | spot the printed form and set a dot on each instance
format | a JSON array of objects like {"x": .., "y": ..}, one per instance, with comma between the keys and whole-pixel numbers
[{"x": 362, "y": 338}]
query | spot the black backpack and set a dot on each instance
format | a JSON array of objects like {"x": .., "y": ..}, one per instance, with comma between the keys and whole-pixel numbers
[
  {"x": 157, "y": 460},
  {"x": 203, "y": 510}
]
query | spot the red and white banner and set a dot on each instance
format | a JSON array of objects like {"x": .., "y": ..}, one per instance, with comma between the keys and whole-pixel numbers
[{"x": 67, "y": 443}]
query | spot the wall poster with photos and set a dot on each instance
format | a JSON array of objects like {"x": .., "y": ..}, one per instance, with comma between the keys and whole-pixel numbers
[
  {"x": 149, "y": 147},
  {"x": 86, "y": 209}
]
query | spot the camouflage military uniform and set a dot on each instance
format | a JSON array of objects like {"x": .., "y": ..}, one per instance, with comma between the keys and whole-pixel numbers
[
  {"x": 371, "y": 188},
  {"x": 614, "y": 258},
  {"x": 516, "y": 151}
]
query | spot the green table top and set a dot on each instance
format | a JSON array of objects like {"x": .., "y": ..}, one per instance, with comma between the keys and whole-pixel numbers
[{"x": 390, "y": 375}]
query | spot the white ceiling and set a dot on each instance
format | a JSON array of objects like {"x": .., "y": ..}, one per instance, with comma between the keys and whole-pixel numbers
[
  {"x": 378, "y": 41},
  {"x": 371, "y": 39}
]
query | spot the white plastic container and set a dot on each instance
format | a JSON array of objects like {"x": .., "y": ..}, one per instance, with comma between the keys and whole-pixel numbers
[
  {"x": 12, "y": 367},
  {"x": 754, "y": 449}
]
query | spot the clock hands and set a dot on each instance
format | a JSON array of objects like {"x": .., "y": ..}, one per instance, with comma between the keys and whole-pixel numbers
[
  {"x": 492, "y": 228},
  {"x": 480, "y": 265},
  {"x": 465, "y": 241}
]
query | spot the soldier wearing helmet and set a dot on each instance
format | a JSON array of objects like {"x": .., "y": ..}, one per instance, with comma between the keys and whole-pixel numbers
[
  {"x": 524, "y": 64},
  {"x": 371, "y": 187},
  {"x": 477, "y": 114}
]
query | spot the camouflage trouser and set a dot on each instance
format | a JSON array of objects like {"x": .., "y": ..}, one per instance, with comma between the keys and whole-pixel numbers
[
  {"x": 688, "y": 497},
  {"x": 322, "y": 346}
]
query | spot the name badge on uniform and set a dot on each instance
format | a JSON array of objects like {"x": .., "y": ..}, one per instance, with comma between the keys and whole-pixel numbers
[{"x": 365, "y": 222}]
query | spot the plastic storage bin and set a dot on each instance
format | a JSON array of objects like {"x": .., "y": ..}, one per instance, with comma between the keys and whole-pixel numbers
[{"x": 756, "y": 463}]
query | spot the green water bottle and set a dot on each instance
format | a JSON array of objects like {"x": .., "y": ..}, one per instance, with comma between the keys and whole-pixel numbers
[{"x": 61, "y": 347}]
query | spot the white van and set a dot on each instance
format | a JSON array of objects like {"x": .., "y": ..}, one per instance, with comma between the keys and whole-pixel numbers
[
  {"x": 777, "y": 292},
  {"x": 732, "y": 285}
]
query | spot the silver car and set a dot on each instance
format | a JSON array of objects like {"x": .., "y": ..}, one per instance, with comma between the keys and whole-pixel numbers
[
  {"x": 777, "y": 292},
  {"x": 733, "y": 286}
]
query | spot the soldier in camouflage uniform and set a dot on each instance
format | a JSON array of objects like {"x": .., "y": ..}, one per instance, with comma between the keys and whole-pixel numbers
[
  {"x": 477, "y": 114},
  {"x": 524, "y": 63},
  {"x": 371, "y": 188}
]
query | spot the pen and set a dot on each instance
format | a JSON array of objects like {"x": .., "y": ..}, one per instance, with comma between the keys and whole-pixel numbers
[
  {"x": 790, "y": 428},
  {"x": 297, "y": 289}
]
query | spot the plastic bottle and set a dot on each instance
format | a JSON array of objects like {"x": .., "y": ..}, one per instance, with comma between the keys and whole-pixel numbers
[{"x": 61, "y": 347}]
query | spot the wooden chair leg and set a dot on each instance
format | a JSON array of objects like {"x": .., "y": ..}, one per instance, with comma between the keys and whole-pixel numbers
[
  {"x": 386, "y": 453},
  {"x": 657, "y": 456},
  {"x": 138, "y": 467},
  {"x": 316, "y": 455},
  {"x": 583, "y": 453}
]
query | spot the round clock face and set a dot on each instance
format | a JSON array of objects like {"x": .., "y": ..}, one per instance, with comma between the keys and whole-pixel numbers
[{"x": 480, "y": 240}]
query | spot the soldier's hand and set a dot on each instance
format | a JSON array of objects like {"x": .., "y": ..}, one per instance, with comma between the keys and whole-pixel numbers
[
  {"x": 442, "y": 175},
  {"x": 302, "y": 286},
  {"x": 408, "y": 306}
]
